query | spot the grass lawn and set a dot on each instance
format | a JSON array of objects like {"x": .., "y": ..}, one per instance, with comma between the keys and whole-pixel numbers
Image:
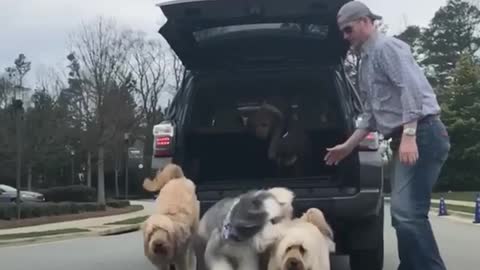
[
  {"x": 129, "y": 221},
  {"x": 43, "y": 233},
  {"x": 468, "y": 196}
]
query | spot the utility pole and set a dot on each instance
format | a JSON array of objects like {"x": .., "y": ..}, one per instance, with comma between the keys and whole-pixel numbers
[
  {"x": 126, "y": 138},
  {"x": 18, "y": 111}
]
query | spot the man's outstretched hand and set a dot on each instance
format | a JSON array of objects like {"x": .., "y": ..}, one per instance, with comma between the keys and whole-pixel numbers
[{"x": 337, "y": 153}]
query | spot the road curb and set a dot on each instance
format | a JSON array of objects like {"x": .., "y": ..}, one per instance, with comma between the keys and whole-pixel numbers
[
  {"x": 51, "y": 238},
  {"x": 44, "y": 239},
  {"x": 120, "y": 230}
]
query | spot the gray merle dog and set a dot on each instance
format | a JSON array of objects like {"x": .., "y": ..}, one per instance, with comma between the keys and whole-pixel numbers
[{"x": 235, "y": 231}]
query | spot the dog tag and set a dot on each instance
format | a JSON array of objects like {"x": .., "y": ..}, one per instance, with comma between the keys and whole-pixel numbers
[{"x": 226, "y": 231}]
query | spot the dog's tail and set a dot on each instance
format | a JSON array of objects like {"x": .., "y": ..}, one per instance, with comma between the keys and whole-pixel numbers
[
  {"x": 315, "y": 216},
  {"x": 171, "y": 171}
]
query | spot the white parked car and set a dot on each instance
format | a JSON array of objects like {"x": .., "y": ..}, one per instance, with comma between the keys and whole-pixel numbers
[{"x": 9, "y": 194}]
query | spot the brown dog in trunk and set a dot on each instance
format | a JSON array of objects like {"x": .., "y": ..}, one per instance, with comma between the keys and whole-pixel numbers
[{"x": 289, "y": 144}]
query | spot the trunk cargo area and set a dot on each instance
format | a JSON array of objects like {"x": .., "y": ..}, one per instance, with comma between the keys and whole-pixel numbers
[
  {"x": 220, "y": 148},
  {"x": 232, "y": 156}
]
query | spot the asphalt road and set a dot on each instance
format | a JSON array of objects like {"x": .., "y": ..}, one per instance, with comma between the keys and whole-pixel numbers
[{"x": 459, "y": 244}]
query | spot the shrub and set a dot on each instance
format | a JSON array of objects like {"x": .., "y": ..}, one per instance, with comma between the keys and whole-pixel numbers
[
  {"x": 32, "y": 210},
  {"x": 75, "y": 193},
  {"x": 118, "y": 203}
]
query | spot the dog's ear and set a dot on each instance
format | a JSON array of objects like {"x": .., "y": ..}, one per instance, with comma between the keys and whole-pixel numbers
[
  {"x": 179, "y": 236},
  {"x": 148, "y": 230}
]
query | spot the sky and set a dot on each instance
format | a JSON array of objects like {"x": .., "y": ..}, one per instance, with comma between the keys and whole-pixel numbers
[{"x": 40, "y": 28}]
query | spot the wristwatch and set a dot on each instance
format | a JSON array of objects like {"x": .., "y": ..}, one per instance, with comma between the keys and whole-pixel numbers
[{"x": 410, "y": 131}]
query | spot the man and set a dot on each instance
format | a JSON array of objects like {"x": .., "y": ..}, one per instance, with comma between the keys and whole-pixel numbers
[{"x": 399, "y": 103}]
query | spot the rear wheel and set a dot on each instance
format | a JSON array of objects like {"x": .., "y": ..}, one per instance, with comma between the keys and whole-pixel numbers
[
  {"x": 371, "y": 258},
  {"x": 14, "y": 200}
]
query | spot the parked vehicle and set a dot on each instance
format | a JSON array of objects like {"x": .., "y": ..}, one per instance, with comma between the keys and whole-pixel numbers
[
  {"x": 9, "y": 194},
  {"x": 237, "y": 55}
]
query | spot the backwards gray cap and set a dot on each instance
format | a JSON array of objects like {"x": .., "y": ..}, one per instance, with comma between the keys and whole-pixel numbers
[{"x": 352, "y": 11}]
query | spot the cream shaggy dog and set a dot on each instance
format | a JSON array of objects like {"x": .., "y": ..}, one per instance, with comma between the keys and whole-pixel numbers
[
  {"x": 306, "y": 244},
  {"x": 235, "y": 231},
  {"x": 169, "y": 232}
]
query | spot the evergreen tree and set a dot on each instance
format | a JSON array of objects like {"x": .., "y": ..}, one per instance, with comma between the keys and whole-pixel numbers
[{"x": 461, "y": 113}]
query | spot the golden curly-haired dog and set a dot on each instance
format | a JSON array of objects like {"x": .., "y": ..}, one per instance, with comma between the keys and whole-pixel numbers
[
  {"x": 305, "y": 245},
  {"x": 169, "y": 232}
]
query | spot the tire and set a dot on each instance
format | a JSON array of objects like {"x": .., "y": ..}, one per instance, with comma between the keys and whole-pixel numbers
[
  {"x": 367, "y": 259},
  {"x": 373, "y": 258}
]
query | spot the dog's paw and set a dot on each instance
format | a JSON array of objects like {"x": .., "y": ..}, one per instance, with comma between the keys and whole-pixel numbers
[
  {"x": 331, "y": 245},
  {"x": 220, "y": 264}
]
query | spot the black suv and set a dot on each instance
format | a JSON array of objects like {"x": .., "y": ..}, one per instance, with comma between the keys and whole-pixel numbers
[{"x": 239, "y": 53}]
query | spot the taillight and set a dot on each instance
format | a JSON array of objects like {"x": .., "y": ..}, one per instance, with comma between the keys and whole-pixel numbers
[
  {"x": 371, "y": 142},
  {"x": 163, "y": 139},
  {"x": 371, "y": 136}
]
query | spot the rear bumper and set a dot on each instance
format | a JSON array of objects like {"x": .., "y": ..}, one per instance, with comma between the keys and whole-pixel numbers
[
  {"x": 158, "y": 163},
  {"x": 365, "y": 203}
]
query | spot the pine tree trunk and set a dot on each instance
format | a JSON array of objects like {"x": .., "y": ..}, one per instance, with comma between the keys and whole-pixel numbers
[
  {"x": 89, "y": 169},
  {"x": 117, "y": 189},
  {"x": 29, "y": 179},
  {"x": 101, "y": 176}
]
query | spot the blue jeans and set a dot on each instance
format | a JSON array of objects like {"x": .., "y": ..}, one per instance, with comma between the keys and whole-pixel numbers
[{"x": 410, "y": 198}]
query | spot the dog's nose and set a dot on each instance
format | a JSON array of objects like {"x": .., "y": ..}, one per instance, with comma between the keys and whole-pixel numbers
[
  {"x": 159, "y": 248},
  {"x": 294, "y": 264}
]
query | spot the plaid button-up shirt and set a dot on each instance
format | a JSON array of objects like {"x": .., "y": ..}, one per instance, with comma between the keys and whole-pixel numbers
[{"x": 393, "y": 87}]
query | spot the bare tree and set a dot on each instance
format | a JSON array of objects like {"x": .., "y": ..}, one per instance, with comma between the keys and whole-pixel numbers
[
  {"x": 82, "y": 114},
  {"x": 6, "y": 90},
  {"x": 102, "y": 51},
  {"x": 148, "y": 65},
  {"x": 51, "y": 80}
]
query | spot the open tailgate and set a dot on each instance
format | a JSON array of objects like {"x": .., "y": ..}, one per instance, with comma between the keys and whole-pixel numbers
[{"x": 225, "y": 33}]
